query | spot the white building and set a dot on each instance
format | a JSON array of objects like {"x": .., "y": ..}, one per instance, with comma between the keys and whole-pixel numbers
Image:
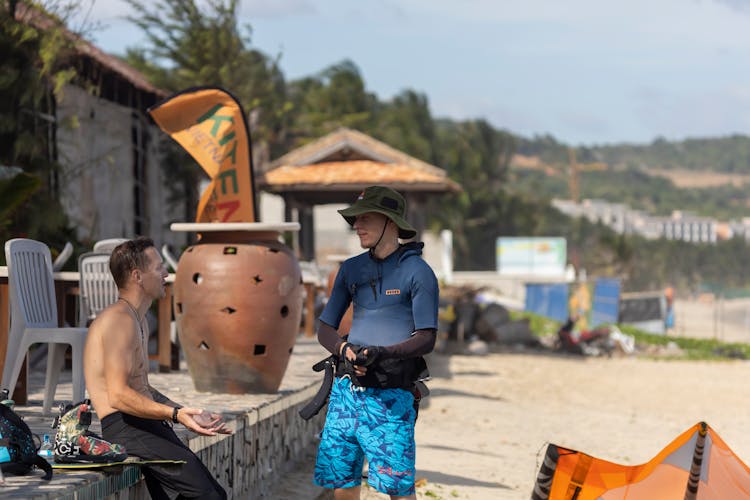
[{"x": 623, "y": 220}]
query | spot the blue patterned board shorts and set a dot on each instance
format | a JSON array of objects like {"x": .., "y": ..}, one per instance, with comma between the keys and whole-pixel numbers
[{"x": 373, "y": 423}]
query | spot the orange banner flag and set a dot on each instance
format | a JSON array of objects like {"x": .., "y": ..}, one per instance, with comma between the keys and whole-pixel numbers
[{"x": 210, "y": 124}]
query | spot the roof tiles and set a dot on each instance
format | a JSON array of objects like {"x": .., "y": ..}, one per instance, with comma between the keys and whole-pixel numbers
[
  {"x": 346, "y": 159},
  {"x": 354, "y": 172}
]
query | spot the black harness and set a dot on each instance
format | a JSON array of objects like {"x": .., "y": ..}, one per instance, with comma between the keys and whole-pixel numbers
[{"x": 408, "y": 374}]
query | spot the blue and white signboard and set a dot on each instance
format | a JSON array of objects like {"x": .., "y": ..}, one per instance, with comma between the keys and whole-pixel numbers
[{"x": 531, "y": 256}]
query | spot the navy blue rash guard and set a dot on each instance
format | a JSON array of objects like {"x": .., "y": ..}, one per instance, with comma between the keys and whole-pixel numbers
[{"x": 392, "y": 297}]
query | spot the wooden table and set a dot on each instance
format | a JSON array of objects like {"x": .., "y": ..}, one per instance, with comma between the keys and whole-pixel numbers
[{"x": 66, "y": 284}]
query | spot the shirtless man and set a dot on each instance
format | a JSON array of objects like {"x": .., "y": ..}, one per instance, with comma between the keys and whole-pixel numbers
[{"x": 115, "y": 363}]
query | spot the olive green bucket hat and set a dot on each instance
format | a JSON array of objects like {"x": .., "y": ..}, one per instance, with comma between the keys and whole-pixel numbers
[{"x": 382, "y": 200}]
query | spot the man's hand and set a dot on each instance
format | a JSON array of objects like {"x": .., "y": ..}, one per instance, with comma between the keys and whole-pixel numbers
[
  {"x": 349, "y": 351},
  {"x": 361, "y": 357},
  {"x": 213, "y": 421},
  {"x": 202, "y": 422},
  {"x": 352, "y": 353},
  {"x": 369, "y": 355}
]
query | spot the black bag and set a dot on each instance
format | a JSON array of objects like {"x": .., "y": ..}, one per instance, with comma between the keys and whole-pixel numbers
[{"x": 18, "y": 453}]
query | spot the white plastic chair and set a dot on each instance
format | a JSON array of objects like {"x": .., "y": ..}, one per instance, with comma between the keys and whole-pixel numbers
[
  {"x": 62, "y": 257},
  {"x": 33, "y": 319},
  {"x": 96, "y": 284},
  {"x": 108, "y": 245},
  {"x": 168, "y": 257}
]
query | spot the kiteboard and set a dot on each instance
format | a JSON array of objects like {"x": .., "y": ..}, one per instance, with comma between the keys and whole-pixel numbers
[{"x": 113, "y": 466}]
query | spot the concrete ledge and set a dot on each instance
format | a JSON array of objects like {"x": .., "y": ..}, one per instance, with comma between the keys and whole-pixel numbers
[
  {"x": 269, "y": 437},
  {"x": 264, "y": 447}
]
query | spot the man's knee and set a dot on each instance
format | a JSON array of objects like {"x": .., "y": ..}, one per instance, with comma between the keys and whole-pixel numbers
[
  {"x": 191, "y": 480},
  {"x": 346, "y": 493},
  {"x": 203, "y": 483}
]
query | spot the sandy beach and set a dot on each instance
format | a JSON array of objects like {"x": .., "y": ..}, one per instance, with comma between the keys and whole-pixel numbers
[
  {"x": 490, "y": 417},
  {"x": 486, "y": 425}
]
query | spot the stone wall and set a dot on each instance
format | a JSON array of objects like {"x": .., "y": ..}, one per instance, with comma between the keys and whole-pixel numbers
[{"x": 264, "y": 446}]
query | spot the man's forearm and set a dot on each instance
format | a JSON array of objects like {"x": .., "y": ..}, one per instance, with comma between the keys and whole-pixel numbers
[
  {"x": 419, "y": 344},
  {"x": 329, "y": 338},
  {"x": 136, "y": 404},
  {"x": 161, "y": 398}
]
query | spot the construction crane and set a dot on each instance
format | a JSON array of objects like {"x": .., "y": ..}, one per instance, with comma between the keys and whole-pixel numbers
[{"x": 574, "y": 171}]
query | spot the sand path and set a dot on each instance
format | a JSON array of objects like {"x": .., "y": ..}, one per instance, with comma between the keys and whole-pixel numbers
[{"x": 489, "y": 418}]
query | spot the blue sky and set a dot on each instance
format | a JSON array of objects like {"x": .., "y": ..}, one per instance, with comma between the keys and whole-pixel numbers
[{"x": 585, "y": 71}]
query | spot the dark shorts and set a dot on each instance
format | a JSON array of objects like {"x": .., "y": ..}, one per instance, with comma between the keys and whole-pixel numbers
[{"x": 155, "y": 440}]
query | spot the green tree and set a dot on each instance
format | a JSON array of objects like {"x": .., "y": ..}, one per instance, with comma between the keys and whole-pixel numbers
[
  {"x": 16, "y": 187},
  {"x": 477, "y": 156},
  {"x": 335, "y": 97},
  {"x": 192, "y": 44},
  {"x": 34, "y": 68},
  {"x": 405, "y": 122}
]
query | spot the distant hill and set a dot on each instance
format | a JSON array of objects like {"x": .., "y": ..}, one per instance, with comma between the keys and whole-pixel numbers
[
  {"x": 724, "y": 154},
  {"x": 706, "y": 176}
]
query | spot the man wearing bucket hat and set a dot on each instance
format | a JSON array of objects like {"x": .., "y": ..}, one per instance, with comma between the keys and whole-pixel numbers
[{"x": 373, "y": 401}]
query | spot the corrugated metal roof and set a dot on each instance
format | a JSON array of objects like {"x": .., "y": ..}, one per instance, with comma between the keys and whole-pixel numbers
[
  {"x": 118, "y": 66},
  {"x": 38, "y": 19}
]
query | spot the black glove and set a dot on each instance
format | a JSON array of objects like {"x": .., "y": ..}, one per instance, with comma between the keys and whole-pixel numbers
[
  {"x": 347, "y": 362},
  {"x": 354, "y": 347},
  {"x": 374, "y": 353}
]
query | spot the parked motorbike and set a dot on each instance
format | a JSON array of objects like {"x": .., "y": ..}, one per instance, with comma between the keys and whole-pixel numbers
[{"x": 594, "y": 342}]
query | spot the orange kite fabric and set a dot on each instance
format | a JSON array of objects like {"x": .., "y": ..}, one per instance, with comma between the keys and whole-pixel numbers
[
  {"x": 698, "y": 465},
  {"x": 210, "y": 124}
]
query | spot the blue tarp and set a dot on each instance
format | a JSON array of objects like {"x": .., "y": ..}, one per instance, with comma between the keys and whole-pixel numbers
[
  {"x": 606, "y": 302},
  {"x": 547, "y": 299}
]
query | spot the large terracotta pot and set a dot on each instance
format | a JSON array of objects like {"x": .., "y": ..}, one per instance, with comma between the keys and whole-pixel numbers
[{"x": 238, "y": 302}]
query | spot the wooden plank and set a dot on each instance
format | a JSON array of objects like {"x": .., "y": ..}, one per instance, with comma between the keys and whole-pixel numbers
[{"x": 310, "y": 290}]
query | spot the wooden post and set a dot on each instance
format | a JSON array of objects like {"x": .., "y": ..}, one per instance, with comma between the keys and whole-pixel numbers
[
  {"x": 63, "y": 285},
  {"x": 310, "y": 309},
  {"x": 164, "y": 354},
  {"x": 4, "y": 319},
  {"x": 19, "y": 393}
]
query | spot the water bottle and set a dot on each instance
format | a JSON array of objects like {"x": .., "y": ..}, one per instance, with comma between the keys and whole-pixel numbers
[
  {"x": 5, "y": 396},
  {"x": 45, "y": 451}
]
